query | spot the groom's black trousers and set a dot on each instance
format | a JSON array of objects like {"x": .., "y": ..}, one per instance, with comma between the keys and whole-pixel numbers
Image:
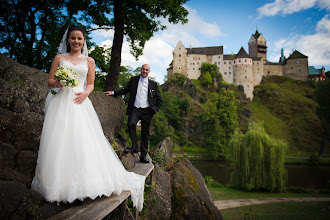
[{"x": 145, "y": 115}]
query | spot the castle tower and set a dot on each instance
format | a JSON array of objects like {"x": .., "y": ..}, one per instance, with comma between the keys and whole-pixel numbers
[
  {"x": 257, "y": 46},
  {"x": 243, "y": 75},
  {"x": 179, "y": 64},
  {"x": 296, "y": 66}
]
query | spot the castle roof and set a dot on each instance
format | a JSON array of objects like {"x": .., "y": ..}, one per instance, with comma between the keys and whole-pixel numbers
[
  {"x": 313, "y": 71},
  {"x": 242, "y": 54},
  {"x": 206, "y": 50},
  {"x": 229, "y": 56},
  {"x": 256, "y": 58},
  {"x": 256, "y": 35},
  {"x": 296, "y": 54}
]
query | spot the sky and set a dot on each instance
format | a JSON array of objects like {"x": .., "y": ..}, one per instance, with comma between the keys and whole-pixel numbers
[{"x": 302, "y": 25}]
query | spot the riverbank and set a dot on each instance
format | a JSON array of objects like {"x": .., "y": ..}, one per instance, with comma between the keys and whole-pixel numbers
[{"x": 233, "y": 203}]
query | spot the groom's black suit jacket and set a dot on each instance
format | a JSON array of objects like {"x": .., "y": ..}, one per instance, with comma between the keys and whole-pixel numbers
[{"x": 154, "y": 97}]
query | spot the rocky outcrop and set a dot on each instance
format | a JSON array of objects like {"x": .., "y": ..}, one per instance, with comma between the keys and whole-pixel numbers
[
  {"x": 22, "y": 99},
  {"x": 191, "y": 198},
  {"x": 176, "y": 189}
]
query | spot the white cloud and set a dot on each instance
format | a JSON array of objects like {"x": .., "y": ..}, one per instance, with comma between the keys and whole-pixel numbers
[
  {"x": 316, "y": 46},
  {"x": 285, "y": 7}
]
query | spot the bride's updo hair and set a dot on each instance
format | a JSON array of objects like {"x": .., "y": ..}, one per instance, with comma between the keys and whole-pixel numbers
[{"x": 74, "y": 28}]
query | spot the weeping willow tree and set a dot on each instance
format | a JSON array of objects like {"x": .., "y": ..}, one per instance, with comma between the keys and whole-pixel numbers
[{"x": 258, "y": 160}]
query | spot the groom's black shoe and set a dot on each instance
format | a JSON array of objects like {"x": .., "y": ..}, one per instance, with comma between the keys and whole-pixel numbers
[
  {"x": 130, "y": 150},
  {"x": 144, "y": 160}
]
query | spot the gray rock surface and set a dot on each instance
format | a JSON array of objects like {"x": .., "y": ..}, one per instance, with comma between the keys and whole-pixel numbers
[
  {"x": 179, "y": 194},
  {"x": 191, "y": 198},
  {"x": 23, "y": 93}
]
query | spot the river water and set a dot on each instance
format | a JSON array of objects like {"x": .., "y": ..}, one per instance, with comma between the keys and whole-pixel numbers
[{"x": 315, "y": 177}]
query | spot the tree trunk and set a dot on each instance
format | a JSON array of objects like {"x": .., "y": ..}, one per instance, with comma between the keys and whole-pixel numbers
[
  {"x": 323, "y": 143},
  {"x": 111, "y": 80}
]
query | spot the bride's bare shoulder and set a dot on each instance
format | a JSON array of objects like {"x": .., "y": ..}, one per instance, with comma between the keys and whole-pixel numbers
[
  {"x": 90, "y": 60},
  {"x": 58, "y": 57}
]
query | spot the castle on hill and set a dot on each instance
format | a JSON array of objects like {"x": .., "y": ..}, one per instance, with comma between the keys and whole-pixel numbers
[{"x": 241, "y": 68}]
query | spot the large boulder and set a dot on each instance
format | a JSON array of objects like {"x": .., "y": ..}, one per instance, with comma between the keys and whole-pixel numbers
[
  {"x": 23, "y": 94},
  {"x": 162, "y": 152},
  {"x": 158, "y": 199},
  {"x": 191, "y": 199}
]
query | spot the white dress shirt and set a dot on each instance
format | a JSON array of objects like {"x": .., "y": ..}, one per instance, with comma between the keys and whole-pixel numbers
[{"x": 141, "y": 99}]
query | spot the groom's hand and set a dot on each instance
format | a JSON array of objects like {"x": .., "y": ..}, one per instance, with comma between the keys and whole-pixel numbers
[{"x": 108, "y": 93}]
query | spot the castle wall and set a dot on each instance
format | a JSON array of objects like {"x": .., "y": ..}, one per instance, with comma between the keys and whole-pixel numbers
[
  {"x": 243, "y": 75},
  {"x": 179, "y": 59},
  {"x": 257, "y": 72},
  {"x": 194, "y": 63},
  {"x": 273, "y": 70},
  {"x": 297, "y": 69},
  {"x": 227, "y": 71}
]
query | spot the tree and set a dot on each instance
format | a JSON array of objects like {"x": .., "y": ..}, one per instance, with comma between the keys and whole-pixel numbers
[
  {"x": 323, "y": 98},
  {"x": 219, "y": 121},
  {"x": 258, "y": 160},
  {"x": 30, "y": 31},
  {"x": 137, "y": 20}
]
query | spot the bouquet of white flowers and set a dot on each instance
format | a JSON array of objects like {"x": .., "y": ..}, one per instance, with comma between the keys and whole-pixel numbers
[{"x": 66, "y": 76}]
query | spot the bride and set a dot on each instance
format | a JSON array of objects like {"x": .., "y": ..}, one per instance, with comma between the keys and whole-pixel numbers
[{"x": 75, "y": 160}]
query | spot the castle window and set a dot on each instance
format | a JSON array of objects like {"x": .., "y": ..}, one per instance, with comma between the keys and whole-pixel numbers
[
  {"x": 229, "y": 73},
  {"x": 268, "y": 72},
  {"x": 193, "y": 68},
  {"x": 179, "y": 60},
  {"x": 219, "y": 57},
  {"x": 218, "y": 62},
  {"x": 199, "y": 68},
  {"x": 257, "y": 63},
  {"x": 234, "y": 80},
  {"x": 179, "y": 48},
  {"x": 215, "y": 62},
  {"x": 225, "y": 73},
  {"x": 299, "y": 68},
  {"x": 229, "y": 68},
  {"x": 239, "y": 61},
  {"x": 179, "y": 68},
  {"x": 234, "y": 61},
  {"x": 245, "y": 60},
  {"x": 199, "y": 58},
  {"x": 224, "y": 62},
  {"x": 229, "y": 63},
  {"x": 179, "y": 55},
  {"x": 298, "y": 61},
  {"x": 245, "y": 77},
  {"x": 291, "y": 68},
  {"x": 197, "y": 63}
]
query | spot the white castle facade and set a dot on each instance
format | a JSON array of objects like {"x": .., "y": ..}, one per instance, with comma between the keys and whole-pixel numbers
[{"x": 241, "y": 68}]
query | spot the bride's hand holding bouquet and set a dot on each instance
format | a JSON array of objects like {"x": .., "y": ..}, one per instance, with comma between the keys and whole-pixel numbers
[{"x": 64, "y": 77}]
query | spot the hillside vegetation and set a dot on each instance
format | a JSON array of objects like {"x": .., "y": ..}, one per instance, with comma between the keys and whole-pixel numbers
[
  {"x": 288, "y": 111},
  {"x": 203, "y": 114}
]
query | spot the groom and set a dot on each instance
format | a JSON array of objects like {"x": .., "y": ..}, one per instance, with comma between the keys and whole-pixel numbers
[{"x": 144, "y": 101}]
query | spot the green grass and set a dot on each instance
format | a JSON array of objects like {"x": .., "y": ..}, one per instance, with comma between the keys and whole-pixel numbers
[
  {"x": 226, "y": 193},
  {"x": 280, "y": 211},
  {"x": 272, "y": 124}
]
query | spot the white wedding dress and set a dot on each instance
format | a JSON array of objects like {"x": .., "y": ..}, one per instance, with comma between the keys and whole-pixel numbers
[{"x": 75, "y": 159}]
